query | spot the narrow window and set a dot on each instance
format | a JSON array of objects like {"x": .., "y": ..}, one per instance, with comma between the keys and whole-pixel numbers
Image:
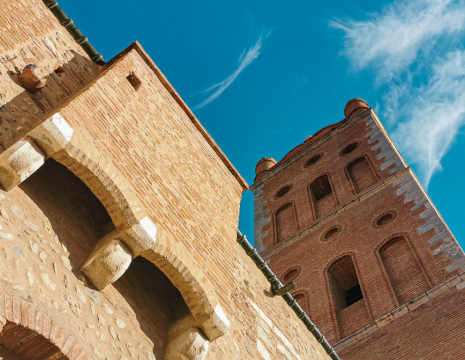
[
  {"x": 361, "y": 174},
  {"x": 321, "y": 188},
  {"x": 348, "y": 299},
  {"x": 344, "y": 283},
  {"x": 404, "y": 271},
  {"x": 285, "y": 223},
  {"x": 322, "y": 196}
]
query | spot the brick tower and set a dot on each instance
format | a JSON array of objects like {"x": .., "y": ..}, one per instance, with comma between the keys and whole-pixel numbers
[{"x": 376, "y": 267}]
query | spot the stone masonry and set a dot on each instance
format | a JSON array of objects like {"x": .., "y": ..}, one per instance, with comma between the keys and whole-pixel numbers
[{"x": 119, "y": 213}]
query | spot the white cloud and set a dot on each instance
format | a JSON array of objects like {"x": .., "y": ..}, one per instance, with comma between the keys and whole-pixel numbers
[
  {"x": 432, "y": 115},
  {"x": 246, "y": 58},
  {"x": 392, "y": 39},
  {"x": 414, "y": 48}
]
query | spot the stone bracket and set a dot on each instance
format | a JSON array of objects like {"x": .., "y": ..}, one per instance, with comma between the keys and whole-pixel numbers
[
  {"x": 21, "y": 160},
  {"x": 113, "y": 254}
]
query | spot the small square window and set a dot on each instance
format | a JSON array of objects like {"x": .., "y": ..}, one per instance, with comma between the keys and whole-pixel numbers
[{"x": 134, "y": 80}]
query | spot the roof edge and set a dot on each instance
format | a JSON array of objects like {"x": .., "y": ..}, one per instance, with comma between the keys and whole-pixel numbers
[
  {"x": 138, "y": 47},
  {"x": 284, "y": 164}
]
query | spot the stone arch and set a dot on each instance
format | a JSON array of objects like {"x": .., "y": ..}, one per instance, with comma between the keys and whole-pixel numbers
[
  {"x": 135, "y": 232},
  {"x": 31, "y": 332}
]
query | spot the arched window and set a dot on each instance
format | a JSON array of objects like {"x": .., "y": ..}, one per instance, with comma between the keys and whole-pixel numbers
[
  {"x": 348, "y": 299},
  {"x": 404, "y": 272},
  {"x": 361, "y": 174},
  {"x": 286, "y": 223},
  {"x": 322, "y": 196}
]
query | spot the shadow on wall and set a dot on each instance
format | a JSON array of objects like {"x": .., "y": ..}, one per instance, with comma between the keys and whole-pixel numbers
[
  {"x": 80, "y": 220},
  {"x": 27, "y": 110}
]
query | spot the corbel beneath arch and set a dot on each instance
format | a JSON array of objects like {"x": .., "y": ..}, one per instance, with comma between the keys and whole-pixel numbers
[{"x": 135, "y": 233}]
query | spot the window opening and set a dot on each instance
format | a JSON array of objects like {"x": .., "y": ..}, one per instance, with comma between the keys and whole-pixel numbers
[
  {"x": 321, "y": 188},
  {"x": 283, "y": 191},
  {"x": 344, "y": 283},
  {"x": 313, "y": 160},
  {"x": 361, "y": 174},
  {"x": 349, "y": 148},
  {"x": 385, "y": 219},
  {"x": 329, "y": 234},
  {"x": 353, "y": 295},
  {"x": 290, "y": 275},
  {"x": 134, "y": 80}
]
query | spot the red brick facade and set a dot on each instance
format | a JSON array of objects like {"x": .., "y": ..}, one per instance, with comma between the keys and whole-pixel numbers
[{"x": 344, "y": 217}]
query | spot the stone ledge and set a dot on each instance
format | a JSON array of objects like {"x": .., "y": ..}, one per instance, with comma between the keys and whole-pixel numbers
[{"x": 457, "y": 281}]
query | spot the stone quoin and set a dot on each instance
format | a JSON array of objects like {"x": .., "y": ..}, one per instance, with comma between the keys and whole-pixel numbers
[
  {"x": 119, "y": 214},
  {"x": 375, "y": 265}
]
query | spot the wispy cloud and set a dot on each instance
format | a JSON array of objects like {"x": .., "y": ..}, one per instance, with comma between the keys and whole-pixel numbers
[
  {"x": 414, "y": 48},
  {"x": 391, "y": 40},
  {"x": 246, "y": 58}
]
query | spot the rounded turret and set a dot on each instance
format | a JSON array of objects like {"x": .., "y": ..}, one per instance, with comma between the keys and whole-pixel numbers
[
  {"x": 355, "y": 107},
  {"x": 263, "y": 167}
]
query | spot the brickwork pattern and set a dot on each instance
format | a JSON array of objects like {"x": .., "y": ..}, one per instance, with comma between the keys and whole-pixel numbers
[
  {"x": 386, "y": 187},
  {"x": 32, "y": 35},
  {"x": 174, "y": 171},
  {"x": 428, "y": 328}
]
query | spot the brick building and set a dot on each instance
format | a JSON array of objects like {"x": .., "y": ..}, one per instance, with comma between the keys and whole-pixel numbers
[
  {"x": 376, "y": 267},
  {"x": 119, "y": 214}
]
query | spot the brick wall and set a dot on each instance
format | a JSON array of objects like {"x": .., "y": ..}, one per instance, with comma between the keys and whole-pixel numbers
[
  {"x": 148, "y": 137},
  {"x": 377, "y": 214},
  {"x": 430, "y": 331}
]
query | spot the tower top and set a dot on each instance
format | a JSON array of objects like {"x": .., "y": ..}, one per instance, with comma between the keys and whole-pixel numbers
[{"x": 354, "y": 107}]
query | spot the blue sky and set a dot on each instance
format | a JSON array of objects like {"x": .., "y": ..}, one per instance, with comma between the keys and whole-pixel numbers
[{"x": 263, "y": 75}]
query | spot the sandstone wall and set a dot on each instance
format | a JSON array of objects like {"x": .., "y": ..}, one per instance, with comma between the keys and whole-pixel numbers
[
  {"x": 32, "y": 35},
  {"x": 96, "y": 153}
]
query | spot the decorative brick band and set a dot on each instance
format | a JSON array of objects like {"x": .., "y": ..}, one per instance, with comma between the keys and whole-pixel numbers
[{"x": 457, "y": 281}]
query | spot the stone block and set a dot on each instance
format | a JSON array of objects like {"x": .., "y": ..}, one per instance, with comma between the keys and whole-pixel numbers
[
  {"x": 437, "y": 290},
  {"x": 108, "y": 261},
  {"x": 190, "y": 345},
  {"x": 216, "y": 325},
  {"x": 53, "y": 134},
  {"x": 400, "y": 311},
  {"x": 18, "y": 163},
  {"x": 454, "y": 281},
  {"x": 420, "y": 300}
]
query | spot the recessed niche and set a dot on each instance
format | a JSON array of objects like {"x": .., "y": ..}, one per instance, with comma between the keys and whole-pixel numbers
[
  {"x": 313, "y": 160},
  {"x": 330, "y": 233},
  {"x": 134, "y": 81},
  {"x": 291, "y": 275},
  {"x": 384, "y": 219},
  {"x": 283, "y": 191},
  {"x": 349, "y": 148}
]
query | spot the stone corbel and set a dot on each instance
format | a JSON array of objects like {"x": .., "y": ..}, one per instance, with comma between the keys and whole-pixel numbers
[
  {"x": 113, "y": 254},
  {"x": 185, "y": 341},
  {"x": 21, "y": 160}
]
